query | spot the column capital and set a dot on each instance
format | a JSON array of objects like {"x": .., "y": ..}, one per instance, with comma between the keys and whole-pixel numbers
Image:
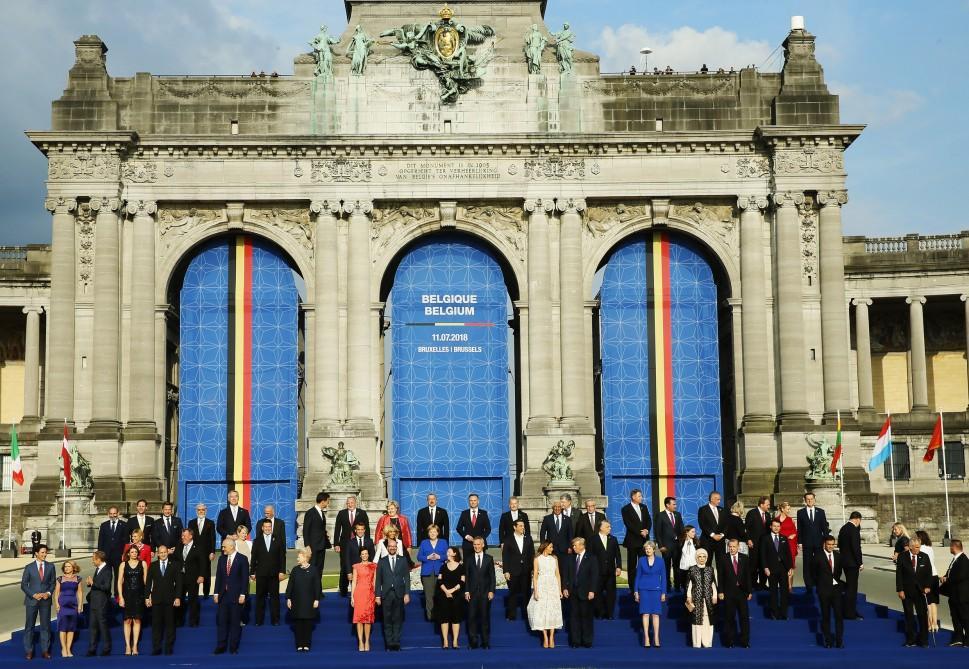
[
  {"x": 861, "y": 301},
  {"x": 330, "y": 207},
  {"x": 33, "y": 309},
  {"x": 141, "y": 207},
  {"x": 964, "y": 298},
  {"x": 788, "y": 198},
  {"x": 829, "y": 198},
  {"x": 568, "y": 205},
  {"x": 915, "y": 299},
  {"x": 60, "y": 204},
  {"x": 538, "y": 205},
  {"x": 358, "y": 206},
  {"x": 107, "y": 203},
  {"x": 752, "y": 202}
]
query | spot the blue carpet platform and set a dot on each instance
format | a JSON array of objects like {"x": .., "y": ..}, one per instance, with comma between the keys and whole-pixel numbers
[{"x": 791, "y": 644}]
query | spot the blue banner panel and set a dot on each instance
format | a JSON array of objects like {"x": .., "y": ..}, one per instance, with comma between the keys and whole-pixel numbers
[{"x": 450, "y": 414}]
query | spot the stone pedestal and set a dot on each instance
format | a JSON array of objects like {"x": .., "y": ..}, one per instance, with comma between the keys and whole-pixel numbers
[
  {"x": 570, "y": 103},
  {"x": 323, "y": 113},
  {"x": 536, "y": 101},
  {"x": 80, "y": 529}
]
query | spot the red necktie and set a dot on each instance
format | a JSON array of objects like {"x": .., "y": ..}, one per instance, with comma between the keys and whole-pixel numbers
[
  {"x": 474, "y": 518},
  {"x": 41, "y": 571},
  {"x": 735, "y": 569},
  {"x": 831, "y": 562},
  {"x": 351, "y": 518},
  {"x": 228, "y": 566}
]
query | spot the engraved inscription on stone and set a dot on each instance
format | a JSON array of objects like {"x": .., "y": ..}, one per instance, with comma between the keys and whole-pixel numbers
[{"x": 462, "y": 170}]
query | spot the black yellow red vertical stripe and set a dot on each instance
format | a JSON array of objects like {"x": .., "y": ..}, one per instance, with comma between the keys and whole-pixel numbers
[
  {"x": 238, "y": 455},
  {"x": 659, "y": 337}
]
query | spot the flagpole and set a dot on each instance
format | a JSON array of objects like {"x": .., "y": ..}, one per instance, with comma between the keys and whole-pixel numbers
[
  {"x": 945, "y": 479},
  {"x": 841, "y": 462},
  {"x": 891, "y": 455},
  {"x": 10, "y": 519},
  {"x": 64, "y": 497}
]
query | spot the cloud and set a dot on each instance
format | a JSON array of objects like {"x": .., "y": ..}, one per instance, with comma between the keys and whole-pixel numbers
[
  {"x": 881, "y": 108},
  {"x": 683, "y": 49}
]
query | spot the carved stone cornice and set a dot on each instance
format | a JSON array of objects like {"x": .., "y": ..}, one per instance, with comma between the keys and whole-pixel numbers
[
  {"x": 60, "y": 205},
  {"x": 570, "y": 205},
  {"x": 141, "y": 208},
  {"x": 788, "y": 199},
  {"x": 359, "y": 207},
  {"x": 540, "y": 205},
  {"x": 107, "y": 203},
  {"x": 752, "y": 202},
  {"x": 827, "y": 198},
  {"x": 325, "y": 207}
]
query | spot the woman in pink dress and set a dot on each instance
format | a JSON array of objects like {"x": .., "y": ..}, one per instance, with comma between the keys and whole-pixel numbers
[
  {"x": 362, "y": 597},
  {"x": 789, "y": 530}
]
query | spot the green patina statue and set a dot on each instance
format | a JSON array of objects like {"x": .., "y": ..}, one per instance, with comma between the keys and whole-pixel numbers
[
  {"x": 323, "y": 48},
  {"x": 535, "y": 43},
  {"x": 565, "y": 48},
  {"x": 359, "y": 50}
]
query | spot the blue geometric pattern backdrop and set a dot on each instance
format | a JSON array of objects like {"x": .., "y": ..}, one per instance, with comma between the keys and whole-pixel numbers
[
  {"x": 628, "y": 309},
  {"x": 449, "y": 334},
  {"x": 204, "y": 382}
]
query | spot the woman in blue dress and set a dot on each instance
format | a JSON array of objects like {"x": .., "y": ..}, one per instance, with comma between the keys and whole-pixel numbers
[
  {"x": 650, "y": 590},
  {"x": 69, "y": 602}
]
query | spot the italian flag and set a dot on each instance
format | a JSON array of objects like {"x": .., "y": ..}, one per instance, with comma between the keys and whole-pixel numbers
[
  {"x": 837, "y": 448},
  {"x": 17, "y": 472}
]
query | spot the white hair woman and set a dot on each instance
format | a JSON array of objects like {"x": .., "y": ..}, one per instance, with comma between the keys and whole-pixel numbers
[
  {"x": 701, "y": 596},
  {"x": 303, "y": 592}
]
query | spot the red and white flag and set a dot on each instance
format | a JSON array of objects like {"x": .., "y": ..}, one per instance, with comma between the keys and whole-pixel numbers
[{"x": 66, "y": 457}]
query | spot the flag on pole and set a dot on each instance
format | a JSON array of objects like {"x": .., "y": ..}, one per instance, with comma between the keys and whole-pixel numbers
[
  {"x": 17, "y": 472},
  {"x": 837, "y": 448},
  {"x": 66, "y": 457},
  {"x": 883, "y": 445},
  {"x": 935, "y": 443}
]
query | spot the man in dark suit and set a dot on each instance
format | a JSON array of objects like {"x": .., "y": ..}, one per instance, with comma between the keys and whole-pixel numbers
[
  {"x": 392, "y": 589},
  {"x": 353, "y": 546},
  {"x": 163, "y": 592},
  {"x": 193, "y": 562},
  {"x": 579, "y": 587},
  {"x": 278, "y": 524},
  {"x": 472, "y": 523},
  {"x": 343, "y": 531},
  {"x": 913, "y": 581},
  {"x": 736, "y": 589},
  {"x": 605, "y": 548},
  {"x": 517, "y": 556},
  {"x": 140, "y": 520},
  {"x": 506, "y": 524},
  {"x": 479, "y": 590},
  {"x": 98, "y": 603},
  {"x": 232, "y": 516},
  {"x": 812, "y": 527},
  {"x": 231, "y": 588},
  {"x": 955, "y": 586},
  {"x": 757, "y": 524},
  {"x": 559, "y": 530},
  {"x": 635, "y": 516},
  {"x": 669, "y": 527},
  {"x": 432, "y": 514},
  {"x": 112, "y": 536},
  {"x": 37, "y": 584},
  {"x": 586, "y": 524},
  {"x": 203, "y": 534},
  {"x": 713, "y": 524},
  {"x": 34, "y": 541},
  {"x": 777, "y": 564},
  {"x": 167, "y": 530},
  {"x": 268, "y": 569},
  {"x": 849, "y": 545},
  {"x": 315, "y": 536},
  {"x": 827, "y": 571}
]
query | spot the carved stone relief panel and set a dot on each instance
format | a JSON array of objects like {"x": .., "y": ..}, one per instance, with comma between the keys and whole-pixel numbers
[
  {"x": 85, "y": 245},
  {"x": 809, "y": 161},
  {"x": 340, "y": 170},
  {"x": 140, "y": 172},
  {"x": 173, "y": 222},
  {"x": 809, "y": 239},
  {"x": 100, "y": 166},
  {"x": 507, "y": 222},
  {"x": 294, "y": 221},
  {"x": 390, "y": 218},
  {"x": 713, "y": 218},
  {"x": 555, "y": 169}
]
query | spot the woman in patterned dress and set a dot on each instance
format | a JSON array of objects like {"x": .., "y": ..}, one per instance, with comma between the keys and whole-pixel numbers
[{"x": 545, "y": 606}]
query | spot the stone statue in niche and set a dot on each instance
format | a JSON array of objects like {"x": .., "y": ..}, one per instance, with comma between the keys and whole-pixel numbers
[
  {"x": 535, "y": 43},
  {"x": 323, "y": 45},
  {"x": 565, "y": 48},
  {"x": 819, "y": 461},
  {"x": 359, "y": 51},
  {"x": 556, "y": 463},
  {"x": 342, "y": 463}
]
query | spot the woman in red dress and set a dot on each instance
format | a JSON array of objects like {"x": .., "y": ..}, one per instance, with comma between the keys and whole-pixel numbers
[
  {"x": 362, "y": 597},
  {"x": 396, "y": 518},
  {"x": 789, "y": 530},
  {"x": 144, "y": 550}
]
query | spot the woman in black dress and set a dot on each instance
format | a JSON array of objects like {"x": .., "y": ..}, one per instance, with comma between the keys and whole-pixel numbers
[
  {"x": 131, "y": 585},
  {"x": 736, "y": 529},
  {"x": 303, "y": 594},
  {"x": 449, "y": 599}
]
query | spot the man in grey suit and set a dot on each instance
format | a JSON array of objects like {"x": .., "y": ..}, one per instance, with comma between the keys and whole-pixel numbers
[
  {"x": 98, "y": 600},
  {"x": 392, "y": 593},
  {"x": 37, "y": 584}
]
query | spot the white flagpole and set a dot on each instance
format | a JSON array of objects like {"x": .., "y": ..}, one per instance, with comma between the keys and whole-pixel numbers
[
  {"x": 64, "y": 487},
  {"x": 945, "y": 479},
  {"x": 10, "y": 519},
  {"x": 841, "y": 463},
  {"x": 891, "y": 455}
]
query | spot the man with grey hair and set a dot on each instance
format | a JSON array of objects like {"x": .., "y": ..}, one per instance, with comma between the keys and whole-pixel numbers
[
  {"x": 203, "y": 534},
  {"x": 566, "y": 500},
  {"x": 278, "y": 524},
  {"x": 231, "y": 588}
]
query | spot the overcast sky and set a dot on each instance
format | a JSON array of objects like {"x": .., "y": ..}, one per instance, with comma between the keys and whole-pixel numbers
[{"x": 899, "y": 66}]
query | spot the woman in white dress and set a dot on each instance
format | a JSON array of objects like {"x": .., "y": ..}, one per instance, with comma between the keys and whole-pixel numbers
[
  {"x": 545, "y": 606},
  {"x": 687, "y": 552},
  {"x": 380, "y": 550}
]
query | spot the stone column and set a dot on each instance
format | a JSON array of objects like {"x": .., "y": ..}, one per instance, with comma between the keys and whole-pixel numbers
[
  {"x": 790, "y": 308},
  {"x": 540, "y": 364},
  {"x": 965, "y": 300},
  {"x": 358, "y": 316},
  {"x": 756, "y": 365},
  {"x": 866, "y": 396},
  {"x": 60, "y": 319},
  {"x": 141, "y": 412},
  {"x": 834, "y": 319},
  {"x": 920, "y": 380},
  {"x": 107, "y": 311},
  {"x": 32, "y": 362},
  {"x": 326, "y": 331},
  {"x": 571, "y": 311}
]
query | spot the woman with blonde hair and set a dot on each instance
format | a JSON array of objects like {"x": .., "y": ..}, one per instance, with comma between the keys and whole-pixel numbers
[
  {"x": 144, "y": 550},
  {"x": 380, "y": 549},
  {"x": 68, "y": 604},
  {"x": 789, "y": 530},
  {"x": 303, "y": 594},
  {"x": 736, "y": 529},
  {"x": 899, "y": 540},
  {"x": 394, "y": 517}
]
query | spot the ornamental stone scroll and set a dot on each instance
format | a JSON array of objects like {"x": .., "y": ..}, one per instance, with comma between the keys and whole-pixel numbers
[
  {"x": 538, "y": 205},
  {"x": 570, "y": 205},
  {"x": 751, "y": 202},
  {"x": 827, "y": 198}
]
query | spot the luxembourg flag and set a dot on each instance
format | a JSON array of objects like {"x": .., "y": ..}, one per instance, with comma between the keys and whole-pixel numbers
[{"x": 883, "y": 445}]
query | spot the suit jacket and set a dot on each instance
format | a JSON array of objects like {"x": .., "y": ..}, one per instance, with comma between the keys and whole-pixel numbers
[
  {"x": 440, "y": 519},
  {"x": 506, "y": 528},
  {"x": 913, "y": 580},
  {"x": 756, "y": 526},
  {"x": 279, "y": 528},
  {"x": 586, "y": 580},
  {"x": 608, "y": 555},
  {"x": 162, "y": 537},
  {"x": 268, "y": 562},
  {"x": 193, "y": 565},
  {"x": 482, "y": 529},
  {"x": 709, "y": 524},
  {"x": 314, "y": 530},
  {"x": 561, "y": 538},
  {"x": 516, "y": 562},
  {"x": 956, "y": 586},
  {"x": 739, "y": 585},
  {"x": 32, "y": 584},
  {"x": 811, "y": 535},
  {"x": 633, "y": 539},
  {"x": 823, "y": 573},
  {"x": 102, "y": 587},
  {"x": 585, "y": 529},
  {"x": 133, "y": 525},
  {"x": 668, "y": 534},
  {"x": 849, "y": 545},
  {"x": 351, "y": 552},
  {"x": 479, "y": 582},
  {"x": 224, "y": 525},
  {"x": 203, "y": 537},
  {"x": 164, "y": 590},
  {"x": 779, "y": 561},
  {"x": 112, "y": 542},
  {"x": 343, "y": 530},
  {"x": 235, "y": 583},
  {"x": 392, "y": 581}
]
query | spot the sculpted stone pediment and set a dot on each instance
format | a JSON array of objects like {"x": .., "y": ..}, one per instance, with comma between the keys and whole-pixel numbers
[
  {"x": 294, "y": 221},
  {"x": 173, "y": 222}
]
